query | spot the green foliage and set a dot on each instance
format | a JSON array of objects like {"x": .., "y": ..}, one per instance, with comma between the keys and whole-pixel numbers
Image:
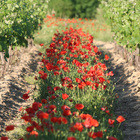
[
  {"x": 18, "y": 21},
  {"x": 74, "y": 8},
  {"x": 124, "y": 18}
]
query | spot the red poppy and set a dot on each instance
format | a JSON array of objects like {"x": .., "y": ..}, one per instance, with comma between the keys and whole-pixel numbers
[
  {"x": 94, "y": 135},
  {"x": 99, "y": 134},
  {"x": 42, "y": 115},
  {"x": 79, "y": 106},
  {"x": 41, "y": 44},
  {"x": 70, "y": 100},
  {"x": 78, "y": 80},
  {"x": 40, "y": 54},
  {"x": 78, "y": 126},
  {"x": 4, "y": 138},
  {"x": 43, "y": 101},
  {"x": 65, "y": 107},
  {"x": 30, "y": 110},
  {"x": 63, "y": 120},
  {"x": 112, "y": 138},
  {"x": 66, "y": 112},
  {"x": 25, "y": 96},
  {"x": 71, "y": 138},
  {"x": 89, "y": 122},
  {"x": 106, "y": 57},
  {"x": 26, "y": 118},
  {"x": 56, "y": 88},
  {"x": 120, "y": 119},
  {"x": 34, "y": 133},
  {"x": 52, "y": 107},
  {"x": 9, "y": 128},
  {"x": 36, "y": 105},
  {"x": 54, "y": 119},
  {"x": 65, "y": 96},
  {"x": 111, "y": 122},
  {"x": 30, "y": 128}
]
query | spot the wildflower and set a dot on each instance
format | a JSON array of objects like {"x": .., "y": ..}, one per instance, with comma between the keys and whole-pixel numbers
[
  {"x": 112, "y": 138},
  {"x": 120, "y": 119},
  {"x": 66, "y": 112},
  {"x": 78, "y": 126},
  {"x": 25, "y": 96},
  {"x": 4, "y": 138},
  {"x": 106, "y": 57},
  {"x": 43, "y": 101},
  {"x": 30, "y": 128},
  {"x": 71, "y": 138},
  {"x": 111, "y": 122},
  {"x": 41, "y": 44},
  {"x": 9, "y": 128},
  {"x": 65, "y": 96},
  {"x": 79, "y": 106},
  {"x": 34, "y": 133},
  {"x": 42, "y": 115}
]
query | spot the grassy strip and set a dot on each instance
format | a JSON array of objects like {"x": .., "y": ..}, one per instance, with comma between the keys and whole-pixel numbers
[{"x": 97, "y": 28}]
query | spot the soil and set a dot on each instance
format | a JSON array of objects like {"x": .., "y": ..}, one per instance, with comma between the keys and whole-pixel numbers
[
  {"x": 126, "y": 79},
  {"x": 13, "y": 86}
]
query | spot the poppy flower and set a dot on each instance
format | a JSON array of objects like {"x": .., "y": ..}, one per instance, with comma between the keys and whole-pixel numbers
[
  {"x": 89, "y": 122},
  {"x": 65, "y": 96},
  {"x": 42, "y": 115},
  {"x": 106, "y": 57},
  {"x": 56, "y": 88},
  {"x": 63, "y": 120},
  {"x": 112, "y": 138},
  {"x": 111, "y": 122},
  {"x": 79, "y": 106},
  {"x": 71, "y": 138},
  {"x": 36, "y": 105},
  {"x": 70, "y": 100},
  {"x": 66, "y": 113},
  {"x": 9, "y": 128},
  {"x": 54, "y": 119},
  {"x": 26, "y": 118},
  {"x": 25, "y": 96},
  {"x": 30, "y": 128},
  {"x": 43, "y": 101},
  {"x": 94, "y": 135},
  {"x": 41, "y": 44},
  {"x": 40, "y": 54},
  {"x": 78, "y": 126},
  {"x": 99, "y": 134},
  {"x": 34, "y": 133},
  {"x": 78, "y": 80},
  {"x": 4, "y": 138},
  {"x": 52, "y": 107},
  {"x": 65, "y": 107},
  {"x": 120, "y": 119}
]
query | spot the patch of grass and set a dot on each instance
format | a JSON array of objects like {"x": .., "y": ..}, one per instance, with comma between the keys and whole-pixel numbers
[
  {"x": 30, "y": 79},
  {"x": 96, "y": 27},
  {"x": 17, "y": 133}
]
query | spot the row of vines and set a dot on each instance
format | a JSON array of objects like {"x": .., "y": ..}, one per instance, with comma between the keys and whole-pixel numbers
[
  {"x": 18, "y": 21},
  {"x": 124, "y": 19}
]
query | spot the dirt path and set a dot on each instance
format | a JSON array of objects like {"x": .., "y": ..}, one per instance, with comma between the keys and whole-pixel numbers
[
  {"x": 127, "y": 81},
  {"x": 13, "y": 86}
]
